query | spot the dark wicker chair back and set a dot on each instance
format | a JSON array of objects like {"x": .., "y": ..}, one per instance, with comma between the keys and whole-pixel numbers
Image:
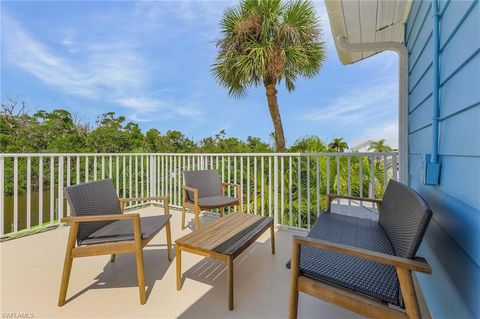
[
  {"x": 404, "y": 216},
  {"x": 95, "y": 198},
  {"x": 207, "y": 182}
]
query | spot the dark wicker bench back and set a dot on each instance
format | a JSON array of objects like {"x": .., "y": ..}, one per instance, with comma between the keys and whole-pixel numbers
[
  {"x": 207, "y": 182},
  {"x": 404, "y": 216},
  {"x": 95, "y": 198}
]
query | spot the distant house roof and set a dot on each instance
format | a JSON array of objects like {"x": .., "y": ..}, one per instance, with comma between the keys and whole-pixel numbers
[
  {"x": 366, "y": 21},
  {"x": 361, "y": 145}
]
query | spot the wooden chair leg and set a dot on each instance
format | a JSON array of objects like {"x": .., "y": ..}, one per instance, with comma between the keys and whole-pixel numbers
[
  {"x": 67, "y": 265},
  {"x": 294, "y": 273},
  {"x": 272, "y": 238},
  {"x": 139, "y": 259},
  {"x": 178, "y": 257},
  {"x": 222, "y": 211},
  {"x": 197, "y": 218},
  {"x": 230, "y": 282},
  {"x": 169, "y": 240},
  {"x": 408, "y": 293},
  {"x": 183, "y": 217},
  {"x": 112, "y": 258}
]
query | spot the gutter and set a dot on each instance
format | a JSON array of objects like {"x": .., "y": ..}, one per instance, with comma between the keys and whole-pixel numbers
[
  {"x": 402, "y": 52},
  {"x": 432, "y": 167}
]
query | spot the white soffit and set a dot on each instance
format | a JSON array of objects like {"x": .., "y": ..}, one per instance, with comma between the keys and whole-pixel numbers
[{"x": 366, "y": 21}]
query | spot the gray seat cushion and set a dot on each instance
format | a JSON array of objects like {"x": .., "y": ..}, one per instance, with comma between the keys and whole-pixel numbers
[
  {"x": 363, "y": 276},
  {"x": 217, "y": 201},
  {"x": 122, "y": 230}
]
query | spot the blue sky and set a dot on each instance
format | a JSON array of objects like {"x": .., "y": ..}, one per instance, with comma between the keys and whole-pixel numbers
[{"x": 150, "y": 61}]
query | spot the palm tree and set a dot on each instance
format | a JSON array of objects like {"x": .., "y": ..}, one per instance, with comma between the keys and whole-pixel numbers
[
  {"x": 380, "y": 146},
  {"x": 265, "y": 42},
  {"x": 338, "y": 145}
]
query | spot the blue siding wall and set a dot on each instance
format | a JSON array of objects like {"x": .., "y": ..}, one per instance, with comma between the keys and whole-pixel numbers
[{"x": 453, "y": 240}]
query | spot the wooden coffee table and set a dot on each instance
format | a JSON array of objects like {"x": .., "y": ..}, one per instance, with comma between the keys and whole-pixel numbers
[{"x": 224, "y": 240}]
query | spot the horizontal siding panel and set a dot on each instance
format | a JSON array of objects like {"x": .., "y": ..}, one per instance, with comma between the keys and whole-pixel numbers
[
  {"x": 465, "y": 42},
  {"x": 458, "y": 219},
  {"x": 412, "y": 17},
  {"x": 421, "y": 116},
  {"x": 421, "y": 59},
  {"x": 422, "y": 18},
  {"x": 460, "y": 178},
  {"x": 420, "y": 141},
  {"x": 462, "y": 90},
  {"x": 415, "y": 167},
  {"x": 423, "y": 45},
  {"x": 421, "y": 90},
  {"x": 451, "y": 18},
  {"x": 460, "y": 135}
]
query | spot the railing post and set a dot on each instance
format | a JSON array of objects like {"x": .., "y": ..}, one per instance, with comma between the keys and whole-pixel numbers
[
  {"x": 2, "y": 194},
  {"x": 275, "y": 190},
  {"x": 60, "y": 187}
]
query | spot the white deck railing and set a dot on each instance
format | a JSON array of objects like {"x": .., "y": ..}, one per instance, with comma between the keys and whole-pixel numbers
[{"x": 289, "y": 186}]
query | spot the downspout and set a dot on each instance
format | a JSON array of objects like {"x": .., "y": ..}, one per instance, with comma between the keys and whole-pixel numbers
[
  {"x": 432, "y": 167},
  {"x": 402, "y": 52}
]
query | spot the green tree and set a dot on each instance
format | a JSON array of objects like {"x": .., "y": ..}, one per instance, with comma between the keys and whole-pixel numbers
[
  {"x": 265, "y": 42},
  {"x": 176, "y": 142},
  {"x": 109, "y": 136},
  {"x": 338, "y": 145},
  {"x": 380, "y": 146},
  {"x": 57, "y": 132},
  {"x": 153, "y": 141},
  {"x": 308, "y": 144}
]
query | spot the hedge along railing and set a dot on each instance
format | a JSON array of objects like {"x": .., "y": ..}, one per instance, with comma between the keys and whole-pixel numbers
[{"x": 292, "y": 187}]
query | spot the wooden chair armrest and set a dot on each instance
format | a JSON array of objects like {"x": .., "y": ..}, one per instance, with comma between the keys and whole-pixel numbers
[
  {"x": 237, "y": 187},
  {"x": 331, "y": 197},
  {"x": 165, "y": 200},
  {"x": 193, "y": 190},
  {"x": 190, "y": 189},
  {"x": 231, "y": 184},
  {"x": 138, "y": 199},
  {"x": 410, "y": 264},
  {"x": 99, "y": 218}
]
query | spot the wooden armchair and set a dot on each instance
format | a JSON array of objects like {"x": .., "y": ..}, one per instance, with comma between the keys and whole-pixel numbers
[
  {"x": 363, "y": 265},
  {"x": 99, "y": 227},
  {"x": 204, "y": 190}
]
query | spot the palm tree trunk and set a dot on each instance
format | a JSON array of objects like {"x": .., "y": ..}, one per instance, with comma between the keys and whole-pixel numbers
[{"x": 275, "y": 114}]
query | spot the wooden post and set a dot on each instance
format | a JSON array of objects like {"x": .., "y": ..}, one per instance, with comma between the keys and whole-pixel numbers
[
  {"x": 294, "y": 273},
  {"x": 408, "y": 292},
  {"x": 67, "y": 265},
  {"x": 169, "y": 240},
  {"x": 178, "y": 257},
  {"x": 197, "y": 217},
  {"x": 272, "y": 237},
  {"x": 230, "y": 281},
  {"x": 183, "y": 217},
  {"x": 139, "y": 259}
]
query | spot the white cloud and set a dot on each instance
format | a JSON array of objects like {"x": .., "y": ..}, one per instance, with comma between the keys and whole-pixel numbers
[
  {"x": 113, "y": 72},
  {"x": 356, "y": 105},
  {"x": 387, "y": 131},
  {"x": 157, "y": 109}
]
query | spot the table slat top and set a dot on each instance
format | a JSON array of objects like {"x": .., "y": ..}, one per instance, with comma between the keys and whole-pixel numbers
[{"x": 221, "y": 231}]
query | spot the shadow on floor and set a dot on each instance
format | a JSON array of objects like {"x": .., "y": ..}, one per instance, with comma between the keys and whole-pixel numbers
[
  {"x": 251, "y": 278},
  {"x": 123, "y": 272}
]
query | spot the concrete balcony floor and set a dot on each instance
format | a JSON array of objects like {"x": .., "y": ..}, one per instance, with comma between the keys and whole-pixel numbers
[{"x": 31, "y": 268}]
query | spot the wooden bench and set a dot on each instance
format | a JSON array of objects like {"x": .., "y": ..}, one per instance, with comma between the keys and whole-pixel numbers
[{"x": 362, "y": 265}]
